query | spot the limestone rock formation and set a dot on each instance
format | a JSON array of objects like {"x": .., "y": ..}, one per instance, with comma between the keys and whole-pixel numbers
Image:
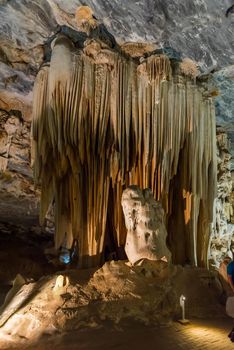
[
  {"x": 224, "y": 81},
  {"x": 197, "y": 29},
  {"x": 116, "y": 293},
  {"x": 222, "y": 237},
  {"x": 27, "y": 27},
  {"x": 17, "y": 192},
  {"x": 146, "y": 231},
  {"x": 103, "y": 121},
  {"x": 85, "y": 18}
]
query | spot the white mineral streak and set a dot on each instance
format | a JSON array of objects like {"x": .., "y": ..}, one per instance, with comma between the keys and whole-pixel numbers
[
  {"x": 109, "y": 125},
  {"x": 144, "y": 219}
]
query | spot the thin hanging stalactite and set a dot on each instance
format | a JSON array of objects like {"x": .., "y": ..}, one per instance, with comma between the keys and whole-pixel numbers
[{"x": 99, "y": 126}]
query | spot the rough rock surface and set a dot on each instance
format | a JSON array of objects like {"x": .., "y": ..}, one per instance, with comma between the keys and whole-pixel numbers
[
  {"x": 197, "y": 29},
  {"x": 222, "y": 238},
  {"x": 17, "y": 193},
  {"x": 224, "y": 81},
  {"x": 144, "y": 219},
  {"x": 148, "y": 293}
]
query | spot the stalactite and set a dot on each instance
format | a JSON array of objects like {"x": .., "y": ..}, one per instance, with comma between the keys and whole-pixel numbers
[{"x": 104, "y": 122}]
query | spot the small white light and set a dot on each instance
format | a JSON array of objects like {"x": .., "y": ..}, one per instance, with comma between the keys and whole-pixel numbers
[{"x": 182, "y": 302}]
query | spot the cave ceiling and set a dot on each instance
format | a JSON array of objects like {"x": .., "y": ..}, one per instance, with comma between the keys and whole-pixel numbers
[{"x": 197, "y": 29}]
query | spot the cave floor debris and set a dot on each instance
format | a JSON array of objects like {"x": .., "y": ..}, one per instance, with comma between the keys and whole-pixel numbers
[{"x": 93, "y": 309}]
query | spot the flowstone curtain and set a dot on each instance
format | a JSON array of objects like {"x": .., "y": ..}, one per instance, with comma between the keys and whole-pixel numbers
[{"x": 105, "y": 122}]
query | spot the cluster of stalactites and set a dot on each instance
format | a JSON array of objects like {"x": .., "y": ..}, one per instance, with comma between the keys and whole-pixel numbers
[{"x": 102, "y": 122}]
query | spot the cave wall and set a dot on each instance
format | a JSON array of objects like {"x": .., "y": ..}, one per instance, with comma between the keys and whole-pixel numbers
[
  {"x": 19, "y": 201},
  {"x": 222, "y": 234}
]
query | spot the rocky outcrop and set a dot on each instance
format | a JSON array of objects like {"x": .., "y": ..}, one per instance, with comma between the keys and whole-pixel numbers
[
  {"x": 18, "y": 199},
  {"x": 222, "y": 238},
  {"x": 224, "y": 82},
  {"x": 198, "y": 29},
  {"x": 144, "y": 219},
  {"x": 116, "y": 293}
]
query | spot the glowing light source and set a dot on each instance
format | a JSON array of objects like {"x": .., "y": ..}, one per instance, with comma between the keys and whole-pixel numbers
[
  {"x": 182, "y": 304},
  {"x": 65, "y": 257}
]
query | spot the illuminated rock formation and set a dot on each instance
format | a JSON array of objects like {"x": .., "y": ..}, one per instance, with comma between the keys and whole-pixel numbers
[
  {"x": 144, "y": 219},
  {"x": 104, "y": 121},
  {"x": 85, "y": 19},
  {"x": 70, "y": 302}
]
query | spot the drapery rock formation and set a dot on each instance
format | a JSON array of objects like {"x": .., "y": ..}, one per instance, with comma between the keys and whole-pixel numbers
[
  {"x": 144, "y": 220},
  {"x": 198, "y": 30},
  {"x": 104, "y": 121}
]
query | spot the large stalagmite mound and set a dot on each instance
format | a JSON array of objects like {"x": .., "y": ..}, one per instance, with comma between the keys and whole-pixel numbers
[
  {"x": 103, "y": 121},
  {"x": 147, "y": 293},
  {"x": 144, "y": 220}
]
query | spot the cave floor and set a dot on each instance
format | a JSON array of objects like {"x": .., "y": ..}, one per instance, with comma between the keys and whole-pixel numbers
[
  {"x": 199, "y": 334},
  {"x": 205, "y": 333}
]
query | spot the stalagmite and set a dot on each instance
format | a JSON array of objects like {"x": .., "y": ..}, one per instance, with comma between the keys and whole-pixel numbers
[
  {"x": 104, "y": 121},
  {"x": 144, "y": 219}
]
